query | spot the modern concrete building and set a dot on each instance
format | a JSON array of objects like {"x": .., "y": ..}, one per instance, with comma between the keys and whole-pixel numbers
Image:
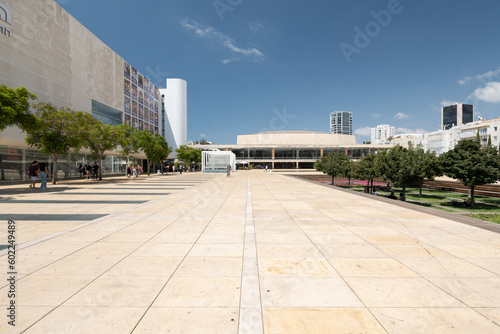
[
  {"x": 174, "y": 113},
  {"x": 292, "y": 149},
  {"x": 341, "y": 122},
  {"x": 46, "y": 50},
  {"x": 456, "y": 114},
  {"x": 381, "y": 133}
]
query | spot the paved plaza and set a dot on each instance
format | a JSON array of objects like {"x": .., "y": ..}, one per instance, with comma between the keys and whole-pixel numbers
[{"x": 254, "y": 253}]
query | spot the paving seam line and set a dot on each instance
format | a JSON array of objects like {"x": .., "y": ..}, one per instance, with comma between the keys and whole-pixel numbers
[{"x": 250, "y": 303}]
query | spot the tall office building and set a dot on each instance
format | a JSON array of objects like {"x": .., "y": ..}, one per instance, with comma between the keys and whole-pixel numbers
[
  {"x": 382, "y": 132},
  {"x": 456, "y": 114},
  {"x": 341, "y": 122},
  {"x": 174, "y": 113}
]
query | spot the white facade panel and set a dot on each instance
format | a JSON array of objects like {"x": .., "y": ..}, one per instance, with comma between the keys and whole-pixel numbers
[{"x": 175, "y": 106}]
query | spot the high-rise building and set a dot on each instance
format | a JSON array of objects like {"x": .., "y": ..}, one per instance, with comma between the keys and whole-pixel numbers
[
  {"x": 341, "y": 122},
  {"x": 382, "y": 132},
  {"x": 456, "y": 114},
  {"x": 174, "y": 113}
]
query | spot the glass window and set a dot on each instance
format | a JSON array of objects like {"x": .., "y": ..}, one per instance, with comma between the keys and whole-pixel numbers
[{"x": 106, "y": 114}]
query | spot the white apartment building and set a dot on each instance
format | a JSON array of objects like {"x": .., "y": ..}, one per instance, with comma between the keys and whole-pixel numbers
[
  {"x": 380, "y": 133},
  {"x": 341, "y": 122},
  {"x": 444, "y": 140}
]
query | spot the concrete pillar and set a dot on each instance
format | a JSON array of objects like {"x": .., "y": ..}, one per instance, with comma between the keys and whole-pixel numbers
[{"x": 321, "y": 153}]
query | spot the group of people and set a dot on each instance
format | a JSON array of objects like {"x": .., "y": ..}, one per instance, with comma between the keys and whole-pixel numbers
[
  {"x": 89, "y": 171},
  {"x": 134, "y": 170},
  {"x": 36, "y": 171}
]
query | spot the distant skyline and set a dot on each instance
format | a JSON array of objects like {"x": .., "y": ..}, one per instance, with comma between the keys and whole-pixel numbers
[{"x": 254, "y": 66}]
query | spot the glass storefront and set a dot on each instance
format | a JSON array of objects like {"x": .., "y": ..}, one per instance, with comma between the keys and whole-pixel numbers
[{"x": 14, "y": 163}]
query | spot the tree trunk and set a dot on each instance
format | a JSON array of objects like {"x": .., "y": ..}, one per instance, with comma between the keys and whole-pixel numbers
[
  {"x": 54, "y": 169},
  {"x": 100, "y": 167},
  {"x": 149, "y": 166},
  {"x": 371, "y": 186},
  {"x": 420, "y": 191},
  {"x": 349, "y": 182},
  {"x": 472, "y": 198},
  {"x": 333, "y": 180},
  {"x": 404, "y": 193}
]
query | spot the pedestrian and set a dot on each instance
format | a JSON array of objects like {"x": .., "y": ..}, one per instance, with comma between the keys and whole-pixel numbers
[
  {"x": 80, "y": 170},
  {"x": 33, "y": 173},
  {"x": 129, "y": 171},
  {"x": 43, "y": 175},
  {"x": 180, "y": 169},
  {"x": 139, "y": 170},
  {"x": 96, "y": 171},
  {"x": 228, "y": 169},
  {"x": 392, "y": 196},
  {"x": 134, "y": 170},
  {"x": 88, "y": 170}
]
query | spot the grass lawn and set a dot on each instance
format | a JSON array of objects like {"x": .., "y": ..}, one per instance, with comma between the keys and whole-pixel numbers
[
  {"x": 478, "y": 208},
  {"x": 494, "y": 218}
]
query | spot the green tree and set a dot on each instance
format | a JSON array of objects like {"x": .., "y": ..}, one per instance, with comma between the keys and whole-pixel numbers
[
  {"x": 366, "y": 170},
  {"x": 15, "y": 108},
  {"x": 155, "y": 147},
  {"x": 100, "y": 137},
  {"x": 333, "y": 164},
  {"x": 129, "y": 141},
  {"x": 189, "y": 155},
  {"x": 56, "y": 132},
  {"x": 427, "y": 167},
  {"x": 398, "y": 165},
  {"x": 472, "y": 165}
]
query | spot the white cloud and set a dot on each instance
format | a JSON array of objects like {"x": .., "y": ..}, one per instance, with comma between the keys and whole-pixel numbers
[
  {"x": 490, "y": 93},
  {"x": 376, "y": 115},
  {"x": 202, "y": 135},
  {"x": 230, "y": 60},
  {"x": 411, "y": 131},
  {"x": 256, "y": 26},
  {"x": 446, "y": 103},
  {"x": 480, "y": 77},
  {"x": 224, "y": 40},
  {"x": 366, "y": 131},
  {"x": 400, "y": 115}
]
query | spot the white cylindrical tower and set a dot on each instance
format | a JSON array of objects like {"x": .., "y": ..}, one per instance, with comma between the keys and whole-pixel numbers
[{"x": 175, "y": 104}]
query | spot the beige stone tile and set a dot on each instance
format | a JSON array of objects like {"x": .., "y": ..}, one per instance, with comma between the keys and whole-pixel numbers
[
  {"x": 412, "y": 251},
  {"x": 336, "y": 239},
  {"x": 163, "y": 237},
  {"x": 370, "y": 267},
  {"x": 189, "y": 320},
  {"x": 201, "y": 292},
  {"x": 475, "y": 292},
  {"x": 217, "y": 250},
  {"x": 295, "y": 267},
  {"x": 109, "y": 248},
  {"x": 29, "y": 315},
  {"x": 445, "y": 267},
  {"x": 338, "y": 321},
  {"x": 278, "y": 229},
  {"x": 492, "y": 265},
  {"x": 222, "y": 237},
  {"x": 362, "y": 250},
  {"x": 128, "y": 237},
  {"x": 80, "y": 265},
  {"x": 38, "y": 290},
  {"x": 54, "y": 248},
  {"x": 475, "y": 251},
  {"x": 493, "y": 314},
  {"x": 118, "y": 291},
  {"x": 434, "y": 320},
  {"x": 400, "y": 292},
  {"x": 268, "y": 238},
  {"x": 389, "y": 239},
  {"x": 306, "y": 292},
  {"x": 288, "y": 251},
  {"x": 154, "y": 249},
  {"x": 140, "y": 266},
  {"x": 210, "y": 266},
  {"x": 89, "y": 320}
]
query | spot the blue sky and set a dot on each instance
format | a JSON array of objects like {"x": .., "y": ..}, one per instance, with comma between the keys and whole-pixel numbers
[{"x": 255, "y": 65}]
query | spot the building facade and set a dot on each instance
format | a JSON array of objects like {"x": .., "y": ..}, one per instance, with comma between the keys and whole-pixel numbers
[
  {"x": 341, "y": 122},
  {"x": 46, "y": 50},
  {"x": 174, "y": 113},
  {"x": 292, "y": 149},
  {"x": 456, "y": 114},
  {"x": 382, "y": 132}
]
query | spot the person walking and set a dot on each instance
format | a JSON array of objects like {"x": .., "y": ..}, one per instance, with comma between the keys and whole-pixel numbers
[
  {"x": 96, "y": 170},
  {"x": 80, "y": 170},
  {"x": 228, "y": 169},
  {"x": 33, "y": 173},
  {"x": 43, "y": 175},
  {"x": 139, "y": 170},
  {"x": 88, "y": 170},
  {"x": 129, "y": 171},
  {"x": 134, "y": 170}
]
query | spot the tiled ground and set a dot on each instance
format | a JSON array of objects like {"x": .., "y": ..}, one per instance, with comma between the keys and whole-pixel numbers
[{"x": 254, "y": 253}]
